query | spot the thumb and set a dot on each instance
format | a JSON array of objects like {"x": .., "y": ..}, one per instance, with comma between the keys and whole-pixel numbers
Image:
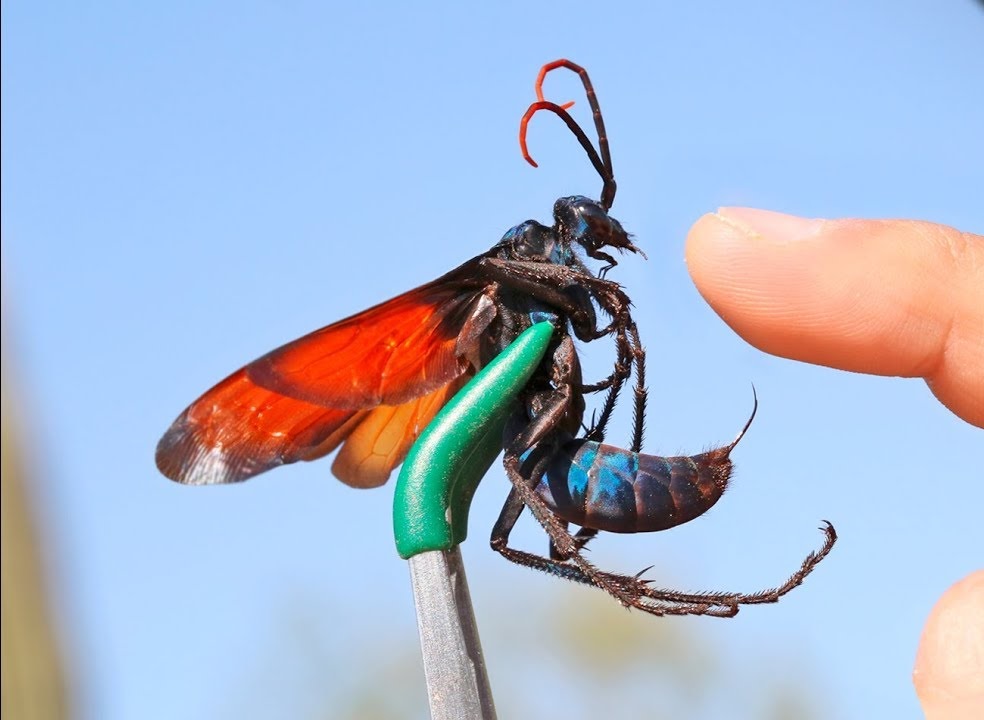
[{"x": 949, "y": 671}]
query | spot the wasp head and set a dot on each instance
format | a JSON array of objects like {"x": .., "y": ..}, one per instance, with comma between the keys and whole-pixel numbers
[{"x": 587, "y": 223}]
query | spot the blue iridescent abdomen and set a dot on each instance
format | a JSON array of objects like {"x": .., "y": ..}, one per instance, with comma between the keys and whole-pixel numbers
[{"x": 607, "y": 488}]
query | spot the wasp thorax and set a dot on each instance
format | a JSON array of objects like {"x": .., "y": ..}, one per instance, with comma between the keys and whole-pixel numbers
[{"x": 529, "y": 241}]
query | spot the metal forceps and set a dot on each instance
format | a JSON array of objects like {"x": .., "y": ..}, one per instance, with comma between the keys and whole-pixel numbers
[{"x": 430, "y": 519}]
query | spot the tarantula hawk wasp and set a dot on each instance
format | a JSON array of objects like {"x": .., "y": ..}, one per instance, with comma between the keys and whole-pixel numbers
[{"x": 367, "y": 385}]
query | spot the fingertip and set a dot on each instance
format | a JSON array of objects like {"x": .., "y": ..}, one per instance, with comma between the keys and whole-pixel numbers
[
  {"x": 732, "y": 247},
  {"x": 886, "y": 297},
  {"x": 766, "y": 274},
  {"x": 949, "y": 668},
  {"x": 712, "y": 247}
]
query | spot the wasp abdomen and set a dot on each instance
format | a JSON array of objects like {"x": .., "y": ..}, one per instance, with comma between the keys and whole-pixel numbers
[{"x": 607, "y": 488}]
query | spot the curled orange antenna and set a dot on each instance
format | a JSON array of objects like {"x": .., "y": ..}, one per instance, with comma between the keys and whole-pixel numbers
[{"x": 601, "y": 159}]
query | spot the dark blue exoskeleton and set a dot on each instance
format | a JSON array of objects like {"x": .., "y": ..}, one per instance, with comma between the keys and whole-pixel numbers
[
  {"x": 607, "y": 488},
  {"x": 563, "y": 478}
]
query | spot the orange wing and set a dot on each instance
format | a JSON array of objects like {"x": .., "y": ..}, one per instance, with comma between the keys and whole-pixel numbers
[
  {"x": 375, "y": 379},
  {"x": 389, "y": 354},
  {"x": 382, "y": 438}
]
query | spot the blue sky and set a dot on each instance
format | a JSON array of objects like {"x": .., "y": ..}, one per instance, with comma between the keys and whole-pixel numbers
[{"x": 188, "y": 185}]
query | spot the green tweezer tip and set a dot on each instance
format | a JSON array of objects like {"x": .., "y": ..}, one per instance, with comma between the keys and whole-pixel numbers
[{"x": 443, "y": 468}]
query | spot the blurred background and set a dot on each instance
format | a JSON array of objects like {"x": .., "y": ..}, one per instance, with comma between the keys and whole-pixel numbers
[{"x": 188, "y": 185}]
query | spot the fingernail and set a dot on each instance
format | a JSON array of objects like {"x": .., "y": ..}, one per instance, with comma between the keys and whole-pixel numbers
[{"x": 773, "y": 225}]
